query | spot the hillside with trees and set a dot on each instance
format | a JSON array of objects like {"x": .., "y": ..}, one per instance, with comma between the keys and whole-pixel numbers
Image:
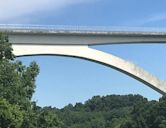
[
  {"x": 114, "y": 111},
  {"x": 17, "y": 110}
]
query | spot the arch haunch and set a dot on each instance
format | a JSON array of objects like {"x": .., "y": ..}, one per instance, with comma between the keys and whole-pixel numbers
[{"x": 84, "y": 52}]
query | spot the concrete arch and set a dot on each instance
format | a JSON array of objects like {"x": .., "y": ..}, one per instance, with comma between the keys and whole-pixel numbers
[{"x": 84, "y": 52}]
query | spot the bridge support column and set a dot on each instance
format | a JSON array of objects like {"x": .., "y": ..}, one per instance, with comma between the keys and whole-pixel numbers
[{"x": 84, "y": 52}]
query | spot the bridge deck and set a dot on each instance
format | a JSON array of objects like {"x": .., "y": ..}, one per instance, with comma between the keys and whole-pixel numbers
[
  {"x": 82, "y": 35},
  {"x": 51, "y": 29}
]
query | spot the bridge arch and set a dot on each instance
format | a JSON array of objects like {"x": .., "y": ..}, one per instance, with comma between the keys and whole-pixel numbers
[{"x": 84, "y": 52}]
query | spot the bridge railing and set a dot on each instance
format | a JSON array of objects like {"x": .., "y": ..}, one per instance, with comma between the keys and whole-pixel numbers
[{"x": 68, "y": 28}]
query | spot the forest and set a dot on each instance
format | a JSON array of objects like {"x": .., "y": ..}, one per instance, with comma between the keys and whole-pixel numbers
[{"x": 17, "y": 110}]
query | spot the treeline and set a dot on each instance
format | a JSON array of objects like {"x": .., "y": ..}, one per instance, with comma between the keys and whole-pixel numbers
[
  {"x": 17, "y": 110},
  {"x": 114, "y": 111}
]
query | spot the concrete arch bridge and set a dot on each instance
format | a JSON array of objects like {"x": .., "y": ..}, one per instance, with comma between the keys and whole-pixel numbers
[{"x": 75, "y": 41}]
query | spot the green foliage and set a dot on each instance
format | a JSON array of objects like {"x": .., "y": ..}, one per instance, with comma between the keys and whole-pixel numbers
[
  {"x": 47, "y": 118},
  {"x": 114, "y": 111},
  {"x": 17, "y": 86},
  {"x": 100, "y": 112},
  {"x": 5, "y": 48},
  {"x": 17, "y": 82},
  {"x": 10, "y": 115}
]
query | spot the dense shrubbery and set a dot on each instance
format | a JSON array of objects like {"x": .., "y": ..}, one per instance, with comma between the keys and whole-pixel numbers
[{"x": 17, "y": 85}]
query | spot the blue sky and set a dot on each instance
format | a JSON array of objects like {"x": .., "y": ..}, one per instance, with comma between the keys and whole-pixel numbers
[
  {"x": 85, "y": 12},
  {"x": 67, "y": 80}
]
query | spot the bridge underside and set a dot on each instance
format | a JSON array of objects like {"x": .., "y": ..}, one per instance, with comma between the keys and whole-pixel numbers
[
  {"x": 84, "y": 52},
  {"x": 85, "y": 38}
]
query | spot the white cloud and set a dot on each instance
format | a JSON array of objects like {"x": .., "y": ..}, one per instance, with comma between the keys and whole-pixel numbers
[
  {"x": 14, "y": 8},
  {"x": 151, "y": 19}
]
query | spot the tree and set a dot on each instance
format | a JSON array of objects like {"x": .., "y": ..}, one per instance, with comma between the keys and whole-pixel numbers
[
  {"x": 47, "y": 118},
  {"x": 10, "y": 115},
  {"x": 5, "y": 48},
  {"x": 17, "y": 85}
]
